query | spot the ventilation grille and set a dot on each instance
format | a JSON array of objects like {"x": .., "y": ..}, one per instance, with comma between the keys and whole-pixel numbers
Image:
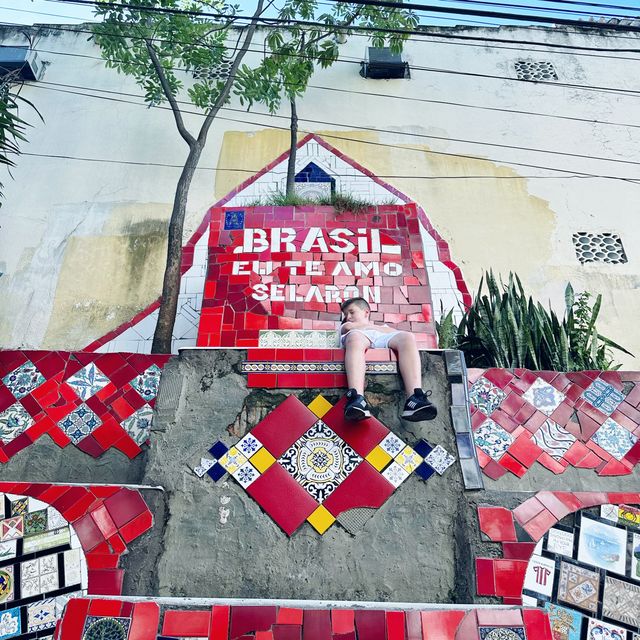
[
  {"x": 599, "y": 247},
  {"x": 532, "y": 70}
]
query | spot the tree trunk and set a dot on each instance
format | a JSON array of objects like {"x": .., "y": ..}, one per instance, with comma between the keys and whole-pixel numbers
[
  {"x": 291, "y": 164},
  {"x": 171, "y": 283}
]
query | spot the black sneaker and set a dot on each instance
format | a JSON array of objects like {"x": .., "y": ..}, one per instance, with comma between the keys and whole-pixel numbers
[
  {"x": 418, "y": 407},
  {"x": 356, "y": 407}
]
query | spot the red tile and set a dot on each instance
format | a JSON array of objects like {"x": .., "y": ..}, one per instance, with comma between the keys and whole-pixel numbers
[
  {"x": 292, "y": 632},
  {"x": 517, "y": 550},
  {"x": 395, "y": 625},
  {"x": 494, "y": 470},
  {"x": 511, "y": 464},
  {"x": 250, "y": 619},
  {"x": 440, "y": 625},
  {"x": 576, "y": 452},
  {"x": 569, "y": 499},
  {"x": 537, "y": 624},
  {"x": 558, "y": 508},
  {"x": 100, "y": 607},
  {"x": 562, "y": 413},
  {"x": 525, "y": 450},
  {"x": 342, "y": 620},
  {"x": 219, "y": 628},
  {"x": 107, "y": 582},
  {"x": 362, "y": 436},
  {"x": 485, "y": 577},
  {"x": 512, "y": 404},
  {"x": 527, "y": 510},
  {"x": 186, "y": 623},
  {"x": 74, "y": 618},
  {"x": 364, "y": 487},
  {"x": 284, "y": 425},
  {"x": 414, "y": 625},
  {"x": 588, "y": 426},
  {"x": 370, "y": 624},
  {"x": 499, "y": 617},
  {"x": 88, "y": 532},
  {"x": 282, "y": 498},
  {"x": 633, "y": 455},
  {"x": 590, "y": 461},
  {"x": 509, "y": 577},
  {"x": 90, "y": 446},
  {"x": 551, "y": 463},
  {"x": 124, "y": 506},
  {"x": 540, "y": 524},
  {"x": 145, "y": 619},
  {"x": 137, "y": 526},
  {"x": 497, "y": 523},
  {"x": 615, "y": 468},
  {"x": 288, "y": 615},
  {"x": 317, "y": 624}
]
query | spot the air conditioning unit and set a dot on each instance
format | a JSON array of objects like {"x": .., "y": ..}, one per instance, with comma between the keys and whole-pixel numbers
[
  {"x": 381, "y": 64},
  {"x": 22, "y": 60}
]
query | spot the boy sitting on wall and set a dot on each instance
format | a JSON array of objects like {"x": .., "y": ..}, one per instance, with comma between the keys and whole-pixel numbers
[{"x": 357, "y": 334}]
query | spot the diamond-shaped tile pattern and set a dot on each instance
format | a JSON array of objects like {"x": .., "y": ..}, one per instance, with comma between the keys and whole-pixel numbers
[
  {"x": 587, "y": 420},
  {"x": 486, "y": 396},
  {"x": 70, "y": 396}
]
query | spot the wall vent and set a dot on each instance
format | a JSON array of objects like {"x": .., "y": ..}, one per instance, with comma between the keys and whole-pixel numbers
[
  {"x": 21, "y": 60},
  {"x": 599, "y": 247},
  {"x": 535, "y": 70},
  {"x": 381, "y": 64}
]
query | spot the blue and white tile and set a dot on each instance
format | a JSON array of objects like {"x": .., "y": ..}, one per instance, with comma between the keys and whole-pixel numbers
[
  {"x": 492, "y": 439},
  {"x": 147, "y": 383},
  {"x": 204, "y": 466},
  {"x": 486, "y": 396},
  {"x": 603, "y": 396},
  {"x": 138, "y": 424},
  {"x": 80, "y": 423},
  {"x": 13, "y": 421},
  {"x": 543, "y": 396},
  {"x": 88, "y": 381},
  {"x": 395, "y": 474},
  {"x": 614, "y": 439},
  {"x": 392, "y": 444},
  {"x": 23, "y": 380},
  {"x": 246, "y": 475},
  {"x": 440, "y": 459},
  {"x": 502, "y": 633},
  {"x": 10, "y": 623},
  {"x": 232, "y": 460},
  {"x": 554, "y": 439},
  {"x": 408, "y": 459},
  {"x": 248, "y": 445},
  {"x": 41, "y": 615}
]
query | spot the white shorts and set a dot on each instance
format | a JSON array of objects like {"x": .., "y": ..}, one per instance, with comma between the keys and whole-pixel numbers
[{"x": 378, "y": 339}]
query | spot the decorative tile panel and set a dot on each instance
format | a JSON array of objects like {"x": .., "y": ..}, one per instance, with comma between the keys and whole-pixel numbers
[
  {"x": 492, "y": 439},
  {"x": 588, "y": 420},
  {"x": 324, "y": 466},
  {"x": 621, "y": 601},
  {"x": 502, "y": 633},
  {"x": 93, "y": 401},
  {"x": 486, "y": 396}
]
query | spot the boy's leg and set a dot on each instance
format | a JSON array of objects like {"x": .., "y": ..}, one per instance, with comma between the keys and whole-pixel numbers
[
  {"x": 355, "y": 346},
  {"x": 404, "y": 344}
]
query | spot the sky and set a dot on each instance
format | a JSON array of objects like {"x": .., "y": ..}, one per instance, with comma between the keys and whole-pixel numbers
[{"x": 55, "y": 12}]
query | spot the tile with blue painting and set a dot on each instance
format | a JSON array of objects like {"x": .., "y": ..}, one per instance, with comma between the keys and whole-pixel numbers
[
  {"x": 88, "y": 381},
  {"x": 543, "y": 396},
  {"x": 603, "y": 396},
  {"x": 13, "y": 421},
  {"x": 486, "y": 396},
  {"x": 147, "y": 383},
  {"x": 233, "y": 220},
  {"x": 492, "y": 439},
  {"x": 614, "y": 439},
  {"x": 23, "y": 380},
  {"x": 80, "y": 423}
]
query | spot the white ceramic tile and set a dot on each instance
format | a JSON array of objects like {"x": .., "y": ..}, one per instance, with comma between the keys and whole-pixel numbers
[
  {"x": 395, "y": 474},
  {"x": 559, "y": 541},
  {"x": 540, "y": 574}
]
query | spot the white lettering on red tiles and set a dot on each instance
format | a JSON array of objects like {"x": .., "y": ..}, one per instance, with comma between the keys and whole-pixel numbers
[
  {"x": 539, "y": 576},
  {"x": 310, "y": 241}
]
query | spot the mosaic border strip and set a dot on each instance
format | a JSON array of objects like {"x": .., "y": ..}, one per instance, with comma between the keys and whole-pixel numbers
[{"x": 314, "y": 367}]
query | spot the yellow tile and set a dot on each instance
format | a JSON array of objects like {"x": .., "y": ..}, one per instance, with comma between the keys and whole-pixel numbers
[
  {"x": 262, "y": 459},
  {"x": 379, "y": 458},
  {"x": 408, "y": 459},
  {"x": 232, "y": 460},
  {"x": 320, "y": 405},
  {"x": 321, "y": 519}
]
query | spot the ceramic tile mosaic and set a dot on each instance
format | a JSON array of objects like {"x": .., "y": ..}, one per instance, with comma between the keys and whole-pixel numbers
[
  {"x": 88, "y": 381},
  {"x": 598, "y": 630},
  {"x": 486, "y": 396},
  {"x": 566, "y": 624},
  {"x": 603, "y": 396},
  {"x": 102, "y": 628},
  {"x": 298, "y": 339},
  {"x": 540, "y": 575},
  {"x": 10, "y": 623},
  {"x": 553, "y": 439},
  {"x": 492, "y": 439},
  {"x": 602, "y": 545},
  {"x": 71, "y": 396},
  {"x": 621, "y": 601},
  {"x": 502, "y": 633},
  {"x": 579, "y": 587},
  {"x": 614, "y": 439},
  {"x": 560, "y": 542},
  {"x": 62, "y": 551},
  {"x": 560, "y": 420},
  {"x": 23, "y": 380},
  {"x": 428, "y": 249},
  {"x": 323, "y": 467}
]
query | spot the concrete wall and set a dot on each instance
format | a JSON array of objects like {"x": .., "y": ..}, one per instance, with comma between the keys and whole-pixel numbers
[{"x": 82, "y": 242}]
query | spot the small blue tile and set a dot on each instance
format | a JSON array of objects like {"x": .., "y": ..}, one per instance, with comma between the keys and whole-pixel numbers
[
  {"x": 234, "y": 219},
  {"x": 465, "y": 445},
  {"x": 422, "y": 448},
  {"x": 218, "y": 450},
  {"x": 424, "y": 470},
  {"x": 216, "y": 472},
  {"x": 313, "y": 173}
]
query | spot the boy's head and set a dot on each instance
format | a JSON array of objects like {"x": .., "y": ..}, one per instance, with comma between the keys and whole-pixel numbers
[{"x": 357, "y": 307}]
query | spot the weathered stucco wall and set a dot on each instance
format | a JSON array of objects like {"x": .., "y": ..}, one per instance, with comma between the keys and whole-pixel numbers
[{"x": 69, "y": 224}]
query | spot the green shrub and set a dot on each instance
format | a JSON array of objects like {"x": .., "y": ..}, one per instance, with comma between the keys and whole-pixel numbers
[{"x": 504, "y": 328}]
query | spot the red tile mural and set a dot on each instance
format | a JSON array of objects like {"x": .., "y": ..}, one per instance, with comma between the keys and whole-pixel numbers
[
  {"x": 93, "y": 401},
  {"x": 94, "y": 618},
  {"x": 290, "y": 267},
  {"x": 585, "y": 419}
]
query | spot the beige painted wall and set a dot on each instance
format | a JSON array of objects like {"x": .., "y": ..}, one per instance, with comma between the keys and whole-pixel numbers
[{"x": 82, "y": 246}]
